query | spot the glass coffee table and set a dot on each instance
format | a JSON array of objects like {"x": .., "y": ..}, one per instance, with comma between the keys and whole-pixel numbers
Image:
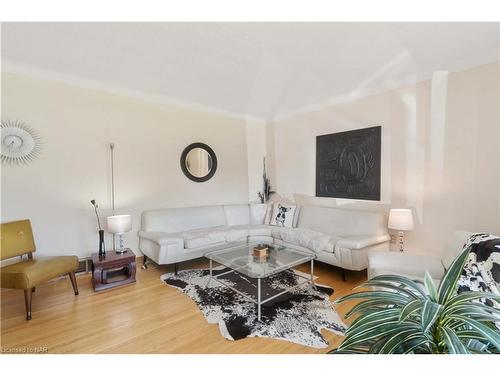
[{"x": 239, "y": 258}]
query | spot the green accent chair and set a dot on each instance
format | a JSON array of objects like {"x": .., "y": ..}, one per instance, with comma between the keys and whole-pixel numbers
[{"x": 17, "y": 240}]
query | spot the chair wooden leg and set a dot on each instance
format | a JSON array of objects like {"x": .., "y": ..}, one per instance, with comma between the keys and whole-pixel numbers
[
  {"x": 72, "y": 277},
  {"x": 27, "y": 302}
]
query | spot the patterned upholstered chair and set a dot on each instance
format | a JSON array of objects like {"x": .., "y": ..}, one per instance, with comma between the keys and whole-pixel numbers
[{"x": 17, "y": 240}]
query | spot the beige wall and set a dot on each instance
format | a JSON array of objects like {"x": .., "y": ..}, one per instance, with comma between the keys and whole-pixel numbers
[
  {"x": 76, "y": 126},
  {"x": 440, "y": 152}
]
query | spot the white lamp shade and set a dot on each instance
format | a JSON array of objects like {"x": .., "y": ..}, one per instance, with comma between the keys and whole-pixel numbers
[
  {"x": 400, "y": 219},
  {"x": 119, "y": 224}
]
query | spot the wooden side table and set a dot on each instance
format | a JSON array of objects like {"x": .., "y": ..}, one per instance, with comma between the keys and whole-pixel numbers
[{"x": 113, "y": 270}]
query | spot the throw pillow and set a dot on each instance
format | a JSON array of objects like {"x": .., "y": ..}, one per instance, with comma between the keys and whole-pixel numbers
[{"x": 283, "y": 215}]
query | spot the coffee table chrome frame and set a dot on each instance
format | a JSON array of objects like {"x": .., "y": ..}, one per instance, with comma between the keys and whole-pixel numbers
[{"x": 309, "y": 280}]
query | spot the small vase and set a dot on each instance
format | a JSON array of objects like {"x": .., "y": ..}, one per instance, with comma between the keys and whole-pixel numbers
[{"x": 102, "y": 250}]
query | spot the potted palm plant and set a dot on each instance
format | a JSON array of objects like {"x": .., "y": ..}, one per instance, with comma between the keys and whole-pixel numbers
[{"x": 399, "y": 315}]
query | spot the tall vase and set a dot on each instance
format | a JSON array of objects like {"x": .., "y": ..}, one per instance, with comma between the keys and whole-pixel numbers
[{"x": 102, "y": 250}]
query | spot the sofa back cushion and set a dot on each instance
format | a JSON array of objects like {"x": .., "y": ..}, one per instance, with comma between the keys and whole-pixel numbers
[
  {"x": 237, "y": 214},
  {"x": 454, "y": 247},
  {"x": 173, "y": 220},
  {"x": 258, "y": 213},
  {"x": 342, "y": 222}
]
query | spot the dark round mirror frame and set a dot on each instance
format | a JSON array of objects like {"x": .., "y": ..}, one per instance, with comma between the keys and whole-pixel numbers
[{"x": 186, "y": 170}]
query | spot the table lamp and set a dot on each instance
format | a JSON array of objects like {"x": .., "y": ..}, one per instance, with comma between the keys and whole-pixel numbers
[
  {"x": 119, "y": 224},
  {"x": 400, "y": 219}
]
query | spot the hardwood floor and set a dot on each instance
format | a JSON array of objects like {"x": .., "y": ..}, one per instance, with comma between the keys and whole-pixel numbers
[{"x": 145, "y": 317}]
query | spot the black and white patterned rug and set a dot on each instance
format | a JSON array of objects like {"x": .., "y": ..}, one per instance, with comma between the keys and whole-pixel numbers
[{"x": 297, "y": 316}]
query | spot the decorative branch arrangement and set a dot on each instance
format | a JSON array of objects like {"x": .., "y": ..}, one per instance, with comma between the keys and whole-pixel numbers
[
  {"x": 102, "y": 250},
  {"x": 266, "y": 188}
]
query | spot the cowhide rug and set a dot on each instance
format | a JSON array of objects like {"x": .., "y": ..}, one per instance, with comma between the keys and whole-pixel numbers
[{"x": 297, "y": 316}]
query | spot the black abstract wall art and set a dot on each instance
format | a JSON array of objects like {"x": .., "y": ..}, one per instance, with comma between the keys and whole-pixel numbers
[{"x": 348, "y": 164}]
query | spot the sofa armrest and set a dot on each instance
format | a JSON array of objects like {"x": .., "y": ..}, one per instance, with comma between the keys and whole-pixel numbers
[
  {"x": 162, "y": 238},
  {"x": 360, "y": 242}
]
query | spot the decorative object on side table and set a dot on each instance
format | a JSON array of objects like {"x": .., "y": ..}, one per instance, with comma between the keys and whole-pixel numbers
[
  {"x": 266, "y": 186},
  {"x": 119, "y": 224},
  {"x": 400, "y": 219},
  {"x": 20, "y": 143},
  {"x": 102, "y": 248},
  {"x": 113, "y": 270}
]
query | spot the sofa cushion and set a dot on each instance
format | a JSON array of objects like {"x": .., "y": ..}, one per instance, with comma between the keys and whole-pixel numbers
[
  {"x": 397, "y": 263},
  {"x": 233, "y": 233},
  {"x": 315, "y": 241},
  {"x": 258, "y": 213},
  {"x": 237, "y": 214},
  {"x": 254, "y": 230},
  {"x": 359, "y": 242},
  {"x": 342, "y": 222},
  {"x": 201, "y": 237},
  {"x": 172, "y": 220}
]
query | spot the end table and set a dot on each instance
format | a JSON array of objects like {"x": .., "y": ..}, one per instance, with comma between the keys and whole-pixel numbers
[{"x": 113, "y": 270}]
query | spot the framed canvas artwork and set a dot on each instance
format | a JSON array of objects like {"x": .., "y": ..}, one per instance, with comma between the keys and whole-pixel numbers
[{"x": 348, "y": 164}]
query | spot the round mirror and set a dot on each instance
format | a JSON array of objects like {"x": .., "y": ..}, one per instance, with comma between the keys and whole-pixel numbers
[{"x": 198, "y": 162}]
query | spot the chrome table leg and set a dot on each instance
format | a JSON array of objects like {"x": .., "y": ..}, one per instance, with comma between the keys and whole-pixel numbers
[
  {"x": 258, "y": 299},
  {"x": 312, "y": 274}
]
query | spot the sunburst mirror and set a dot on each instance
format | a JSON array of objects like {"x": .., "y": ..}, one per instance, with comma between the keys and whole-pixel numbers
[{"x": 21, "y": 144}]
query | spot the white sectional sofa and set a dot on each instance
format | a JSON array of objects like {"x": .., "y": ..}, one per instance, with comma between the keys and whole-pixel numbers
[{"x": 339, "y": 237}]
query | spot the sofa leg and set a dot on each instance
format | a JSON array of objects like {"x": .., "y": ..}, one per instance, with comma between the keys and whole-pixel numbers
[
  {"x": 27, "y": 302},
  {"x": 72, "y": 277},
  {"x": 176, "y": 268},
  {"x": 344, "y": 276},
  {"x": 144, "y": 263}
]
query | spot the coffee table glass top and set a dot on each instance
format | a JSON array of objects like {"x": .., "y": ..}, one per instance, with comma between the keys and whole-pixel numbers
[{"x": 240, "y": 258}]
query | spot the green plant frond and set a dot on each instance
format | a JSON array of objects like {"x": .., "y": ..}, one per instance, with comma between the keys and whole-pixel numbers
[
  {"x": 468, "y": 334},
  {"x": 400, "y": 288},
  {"x": 390, "y": 344},
  {"x": 412, "y": 284},
  {"x": 373, "y": 318},
  {"x": 383, "y": 296},
  {"x": 383, "y": 329},
  {"x": 470, "y": 296},
  {"x": 367, "y": 307},
  {"x": 485, "y": 330},
  {"x": 361, "y": 350},
  {"x": 431, "y": 288},
  {"x": 448, "y": 286},
  {"x": 474, "y": 312},
  {"x": 412, "y": 345},
  {"x": 477, "y": 346},
  {"x": 477, "y": 307},
  {"x": 430, "y": 312},
  {"x": 409, "y": 309},
  {"x": 453, "y": 343}
]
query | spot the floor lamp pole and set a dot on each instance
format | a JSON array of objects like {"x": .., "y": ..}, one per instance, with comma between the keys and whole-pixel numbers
[{"x": 112, "y": 147}]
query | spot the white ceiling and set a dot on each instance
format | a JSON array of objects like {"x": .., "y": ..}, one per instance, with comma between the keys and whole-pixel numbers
[{"x": 263, "y": 70}]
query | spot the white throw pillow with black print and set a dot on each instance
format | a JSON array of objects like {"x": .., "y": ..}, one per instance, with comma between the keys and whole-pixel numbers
[{"x": 283, "y": 215}]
